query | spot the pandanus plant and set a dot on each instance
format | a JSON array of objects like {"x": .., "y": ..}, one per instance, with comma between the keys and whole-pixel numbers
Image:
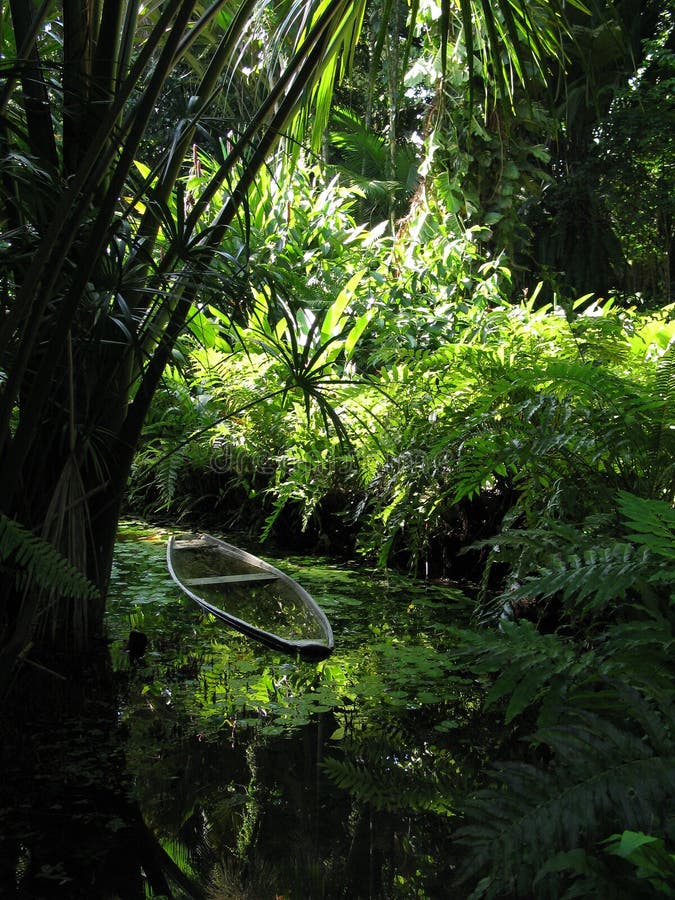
[
  {"x": 104, "y": 253},
  {"x": 103, "y": 257}
]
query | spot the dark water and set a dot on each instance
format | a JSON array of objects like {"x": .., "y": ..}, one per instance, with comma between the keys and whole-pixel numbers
[{"x": 227, "y": 770}]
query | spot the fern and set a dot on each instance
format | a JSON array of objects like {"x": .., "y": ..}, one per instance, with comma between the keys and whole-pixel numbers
[
  {"x": 590, "y": 567},
  {"x": 377, "y": 771},
  {"x": 540, "y": 426},
  {"x": 602, "y": 756},
  {"x": 170, "y": 467},
  {"x": 38, "y": 564},
  {"x": 391, "y": 791},
  {"x": 603, "y": 777},
  {"x": 641, "y": 653},
  {"x": 592, "y": 579},
  {"x": 665, "y": 377},
  {"x": 652, "y": 523},
  {"x": 529, "y": 665}
]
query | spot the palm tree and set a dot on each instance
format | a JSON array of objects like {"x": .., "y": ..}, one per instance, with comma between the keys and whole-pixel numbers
[{"x": 105, "y": 252}]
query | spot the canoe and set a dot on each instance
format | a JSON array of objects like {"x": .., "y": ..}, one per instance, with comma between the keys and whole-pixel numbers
[{"x": 249, "y": 595}]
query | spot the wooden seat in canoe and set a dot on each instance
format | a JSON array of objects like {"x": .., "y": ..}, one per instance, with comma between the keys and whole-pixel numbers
[{"x": 260, "y": 577}]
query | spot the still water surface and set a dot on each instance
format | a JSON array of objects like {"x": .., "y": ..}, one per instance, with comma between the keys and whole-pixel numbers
[{"x": 253, "y": 774}]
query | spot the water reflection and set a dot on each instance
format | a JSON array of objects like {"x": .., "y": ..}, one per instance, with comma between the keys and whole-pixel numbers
[
  {"x": 69, "y": 825},
  {"x": 225, "y": 770}
]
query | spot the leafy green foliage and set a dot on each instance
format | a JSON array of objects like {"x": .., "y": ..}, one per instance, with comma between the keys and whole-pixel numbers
[
  {"x": 523, "y": 409},
  {"x": 602, "y": 776},
  {"x": 39, "y": 566},
  {"x": 544, "y": 433},
  {"x": 588, "y": 566},
  {"x": 602, "y": 755},
  {"x": 653, "y": 524},
  {"x": 386, "y": 370},
  {"x": 363, "y": 159},
  {"x": 116, "y": 238},
  {"x": 639, "y": 184},
  {"x": 650, "y": 857},
  {"x": 388, "y": 771}
]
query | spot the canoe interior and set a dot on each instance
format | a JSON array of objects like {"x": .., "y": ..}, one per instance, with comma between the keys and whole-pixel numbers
[{"x": 270, "y": 601}]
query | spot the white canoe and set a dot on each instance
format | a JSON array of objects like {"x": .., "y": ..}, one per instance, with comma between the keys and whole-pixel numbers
[{"x": 249, "y": 595}]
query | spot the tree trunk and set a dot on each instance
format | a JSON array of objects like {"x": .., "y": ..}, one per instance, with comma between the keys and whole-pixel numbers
[{"x": 69, "y": 492}]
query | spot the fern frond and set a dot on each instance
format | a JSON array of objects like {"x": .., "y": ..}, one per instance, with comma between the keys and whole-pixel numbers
[
  {"x": 378, "y": 770},
  {"x": 530, "y": 665},
  {"x": 38, "y": 564},
  {"x": 169, "y": 470},
  {"x": 602, "y": 777},
  {"x": 588, "y": 565},
  {"x": 652, "y": 523},
  {"x": 641, "y": 652},
  {"x": 594, "y": 578},
  {"x": 546, "y": 672},
  {"x": 664, "y": 378}
]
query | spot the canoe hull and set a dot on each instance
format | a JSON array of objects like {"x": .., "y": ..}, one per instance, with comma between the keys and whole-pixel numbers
[{"x": 250, "y": 595}]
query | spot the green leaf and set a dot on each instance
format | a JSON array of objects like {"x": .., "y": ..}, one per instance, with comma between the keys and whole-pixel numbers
[
  {"x": 628, "y": 842},
  {"x": 524, "y": 694},
  {"x": 569, "y": 861},
  {"x": 37, "y": 563},
  {"x": 331, "y": 323},
  {"x": 356, "y": 332}
]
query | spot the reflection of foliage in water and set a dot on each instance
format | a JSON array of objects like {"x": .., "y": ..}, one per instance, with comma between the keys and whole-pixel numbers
[{"x": 325, "y": 780}]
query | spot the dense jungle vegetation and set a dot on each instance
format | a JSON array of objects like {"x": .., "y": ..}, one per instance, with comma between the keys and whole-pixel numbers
[{"x": 389, "y": 281}]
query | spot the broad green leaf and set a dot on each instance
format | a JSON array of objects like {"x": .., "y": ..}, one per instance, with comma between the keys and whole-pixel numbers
[
  {"x": 526, "y": 691},
  {"x": 331, "y": 323},
  {"x": 570, "y": 861},
  {"x": 356, "y": 332},
  {"x": 628, "y": 842}
]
